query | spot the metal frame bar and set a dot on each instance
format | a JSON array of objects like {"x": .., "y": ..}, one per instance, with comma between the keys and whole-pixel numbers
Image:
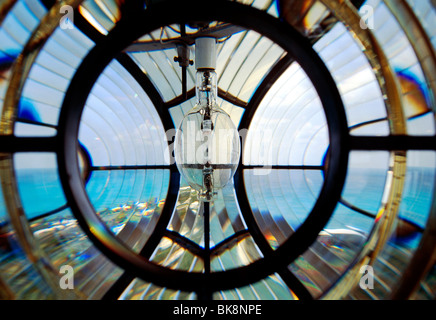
[
  {"x": 280, "y": 167},
  {"x": 20, "y": 71},
  {"x": 185, "y": 243},
  {"x": 263, "y": 88},
  {"x": 138, "y": 167},
  {"x": 347, "y": 13},
  {"x": 127, "y": 62},
  {"x": 393, "y": 143},
  {"x": 425, "y": 255},
  {"x": 87, "y": 74},
  {"x": 253, "y": 228},
  {"x": 12, "y": 144},
  {"x": 180, "y": 99},
  {"x": 221, "y": 31},
  {"x": 160, "y": 230},
  {"x": 191, "y": 94}
]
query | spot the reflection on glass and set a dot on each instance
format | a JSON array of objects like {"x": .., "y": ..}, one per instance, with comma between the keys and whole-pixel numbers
[
  {"x": 120, "y": 124},
  {"x": 412, "y": 218},
  {"x": 281, "y": 199},
  {"x": 39, "y": 184},
  {"x": 129, "y": 201},
  {"x": 289, "y": 126},
  {"x": 270, "y": 288},
  {"x": 122, "y": 129},
  {"x": 141, "y": 290}
]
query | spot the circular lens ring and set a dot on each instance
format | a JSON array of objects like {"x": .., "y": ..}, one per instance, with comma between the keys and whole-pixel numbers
[{"x": 123, "y": 34}]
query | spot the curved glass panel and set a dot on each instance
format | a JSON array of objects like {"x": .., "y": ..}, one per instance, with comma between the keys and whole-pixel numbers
[
  {"x": 39, "y": 184},
  {"x": 271, "y": 288},
  {"x": 129, "y": 201},
  {"x": 403, "y": 60},
  {"x": 14, "y": 31},
  {"x": 48, "y": 80},
  {"x": 289, "y": 127},
  {"x": 281, "y": 199},
  {"x": 353, "y": 74},
  {"x": 383, "y": 218},
  {"x": 119, "y": 115}
]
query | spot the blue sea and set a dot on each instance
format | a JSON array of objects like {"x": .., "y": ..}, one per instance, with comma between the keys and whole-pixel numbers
[{"x": 41, "y": 192}]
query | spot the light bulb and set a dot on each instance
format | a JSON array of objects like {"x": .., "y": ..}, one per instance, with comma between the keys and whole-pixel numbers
[{"x": 207, "y": 147}]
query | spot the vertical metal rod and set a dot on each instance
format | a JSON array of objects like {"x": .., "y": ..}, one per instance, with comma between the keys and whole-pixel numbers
[
  {"x": 184, "y": 69},
  {"x": 184, "y": 85},
  {"x": 205, "y": 294},
  {"x": 206, "y": 215}
]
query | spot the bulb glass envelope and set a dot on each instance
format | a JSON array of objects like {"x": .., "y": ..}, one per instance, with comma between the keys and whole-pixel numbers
[{"x": 207, "y": 148}]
